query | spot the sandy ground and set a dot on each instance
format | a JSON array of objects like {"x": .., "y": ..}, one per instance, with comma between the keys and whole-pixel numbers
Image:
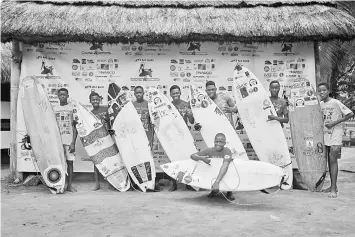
[{"x": 33, "y": 211}]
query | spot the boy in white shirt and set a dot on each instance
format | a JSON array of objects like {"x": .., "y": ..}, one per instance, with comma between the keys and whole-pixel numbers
[
  {"x": 64, "y": 115},
  {"x": 334, "y": 113}
]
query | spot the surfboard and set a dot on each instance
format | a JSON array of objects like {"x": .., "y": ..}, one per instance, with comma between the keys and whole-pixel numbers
[
  {"x": 242, "y": 175},
  {"x": 131, "y": 138},
  {"x": 213, "y": 121},
  {"x": 254, "y": 106},
  {"x": 100, "y": 147},
  {"x": 170, "y": 127},
  {"x": 44, "y": 134},
  {"x": 306, "y": 120}
]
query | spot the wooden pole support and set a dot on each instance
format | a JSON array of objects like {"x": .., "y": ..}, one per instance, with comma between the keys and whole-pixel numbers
[
  {"x": 317, "y": 64},
  {"x": 15, "y": 81}
]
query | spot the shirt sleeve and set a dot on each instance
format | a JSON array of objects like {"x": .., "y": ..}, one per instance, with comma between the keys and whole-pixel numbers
[
  {"x": 228, "y": 154},
  {"x": 344, "y": 110}
]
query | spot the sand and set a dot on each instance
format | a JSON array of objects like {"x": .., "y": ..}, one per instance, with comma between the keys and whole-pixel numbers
[{"x": 33, "y": 211}]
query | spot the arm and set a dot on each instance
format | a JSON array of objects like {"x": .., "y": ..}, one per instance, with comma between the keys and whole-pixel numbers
[
  {"x": 201, "y": 155},
  {"x": 284, "y": 118},
  {"x": 190, "y": 115},
  {"x": 222, "y": 172},
  {"x": 232, "y": 106},
  {"x": 343, "y": 119},
  {"x": 75, "y": 135}
]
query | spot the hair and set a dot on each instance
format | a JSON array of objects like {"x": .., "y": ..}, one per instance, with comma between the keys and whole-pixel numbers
[
  {"x": 93, "y": 93},
  {"x": 274, "y": 81},
  {"x": 173, "y": 87},
  {"x": 220, "y": 135},
  {"x": 138, "y": 87},
  {"x": 324, "y": 84},
  {"x": 210, "y": 83},
  {"x": 63, "y": 89}
]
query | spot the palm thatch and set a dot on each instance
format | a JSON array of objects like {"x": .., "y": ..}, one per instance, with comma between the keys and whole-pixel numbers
[
  {"x": 174, "y": 21},
  {"x": 5, "y": 63}
]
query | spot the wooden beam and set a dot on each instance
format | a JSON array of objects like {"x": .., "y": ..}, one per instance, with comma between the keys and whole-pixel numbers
[
  {"x": 15, "y": 81},
  {"x": 317, "y": 64}
]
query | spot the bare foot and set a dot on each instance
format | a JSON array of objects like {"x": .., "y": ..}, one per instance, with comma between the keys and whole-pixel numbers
[
  {"x": 157, "y": 188},
  {"x": 328, "y": 190},
  {"x": 230, "y": 196},
  {"x": 97, "y": 187},
  {"x": 332, "y": 195},
  {"x": 71, "y": 189},
  {"x": 212, "y": 194},
  {"x": 173, "y": 188}
]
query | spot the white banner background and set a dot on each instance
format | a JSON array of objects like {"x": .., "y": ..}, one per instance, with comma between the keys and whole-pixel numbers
[{"x": 81, "y": 68}]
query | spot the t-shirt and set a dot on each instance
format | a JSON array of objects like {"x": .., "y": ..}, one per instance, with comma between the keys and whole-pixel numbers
[
  {"x": 212, "y": 153},
  {"x": 223, "y": 100},
  {"x": 143, "y": 112},
  {"x": 102, "y": 114},
  {"x": 64, "y": 116},
  {"x": 280, "y": 106},
  {"x": 184, "y": 109},
  {"x": 333, "y": 110}
]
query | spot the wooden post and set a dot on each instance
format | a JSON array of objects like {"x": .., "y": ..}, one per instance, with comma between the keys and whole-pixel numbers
[
  {"x": 317, "y": 63},
  {"x": 15, "y": 81}
]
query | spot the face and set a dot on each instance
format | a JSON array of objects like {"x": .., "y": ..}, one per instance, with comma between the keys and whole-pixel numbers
[
  {"x": 219, "y": 143},
  {"x": 139, "y": 93},
  {"x": 211, "y": 91},
  {"x": 63, "y": 96},
  {"x": 274, "y": 89},
  {"x": 95, "y": 101},
  {"x": 175, "y": 94},
  {"x": 323, "y": 92}
]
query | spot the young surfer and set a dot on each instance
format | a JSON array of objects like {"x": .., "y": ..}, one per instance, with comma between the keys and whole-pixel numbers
[
  {"x": 218, "y": 151},
  {"x": 102, "y": 114},
  {"x": 334, "y": 114},
  {"x": 141, "y": 106},
  {"x": 184, "y": 109},
  {"x": 280, "y": 106},
  {"x": 223, "y": 101},
  {"x": 64, "y": 115}
]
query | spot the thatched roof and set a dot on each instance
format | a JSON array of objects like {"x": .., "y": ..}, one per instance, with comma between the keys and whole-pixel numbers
[
  {"x": 5, "y": 63},
  {"x": 174, "y": 21}
]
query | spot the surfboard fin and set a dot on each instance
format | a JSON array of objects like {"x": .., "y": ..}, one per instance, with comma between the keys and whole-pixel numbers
[{"x": 264, "y": 191}]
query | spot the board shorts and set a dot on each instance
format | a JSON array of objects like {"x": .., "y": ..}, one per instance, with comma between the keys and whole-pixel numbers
[
  {"x": 334, "y": 151},
  {"x": 69, "y": 156}
]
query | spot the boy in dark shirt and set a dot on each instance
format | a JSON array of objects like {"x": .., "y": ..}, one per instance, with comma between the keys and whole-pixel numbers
[{"x": 218, "y": 151}]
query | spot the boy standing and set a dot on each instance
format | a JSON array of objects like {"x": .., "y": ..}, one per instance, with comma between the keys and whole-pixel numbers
[
  {"x": 185, "y": 111},
  {"x": 280, "y": 106},
  {"x": 334, "y": 113},
  {"x": 102, "y": 114},
  {"x": 68, "y": 132},
  {"x": 218, "y": 151}
]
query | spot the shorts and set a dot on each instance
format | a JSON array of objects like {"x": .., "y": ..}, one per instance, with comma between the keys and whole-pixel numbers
[
  {"x": 69, "y": 156},
  {"x": 334, "y": 151}
]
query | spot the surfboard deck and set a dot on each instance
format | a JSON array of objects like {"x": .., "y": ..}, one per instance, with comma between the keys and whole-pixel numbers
[
  {"x": 214, "y": 121},
  {"x": 170, "y": 127},
  {"x": 44, "y": 133},
  {"x": 101, "y": 148},
  {"x": 242, "y": 175},
  {"x": 306, "y": 120},
  {"x": 131, "y": 139},
  {"x": 254, "y": 106}
]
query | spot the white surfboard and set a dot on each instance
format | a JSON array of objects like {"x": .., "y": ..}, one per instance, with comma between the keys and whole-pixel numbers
[
  {"x": 100, "y": 147},
  {"x": 133, "y": 143},
  {"x": 214, "y": 121},
  {"x": 254, "y": 106},
  {"x": 242, "y": 175},
  {"x": 44, "y": 133},
  {"x": 170, "y": 127}
]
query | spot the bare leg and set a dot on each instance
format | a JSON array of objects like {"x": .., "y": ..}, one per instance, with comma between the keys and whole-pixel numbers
[
  {"x": 328, "y": 190},
  {"x": 96, "y": 176},
  {"x": 333, "y": 176},
  {"x": 70, "y": 176},
  {"x": 174, "y": 187}
]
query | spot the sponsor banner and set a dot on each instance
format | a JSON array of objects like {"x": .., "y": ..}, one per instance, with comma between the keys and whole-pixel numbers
[{"x": 83, "y": 68}]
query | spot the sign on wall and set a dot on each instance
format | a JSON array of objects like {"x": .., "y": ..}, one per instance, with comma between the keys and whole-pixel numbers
[{"x": 83, "y": 68}]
